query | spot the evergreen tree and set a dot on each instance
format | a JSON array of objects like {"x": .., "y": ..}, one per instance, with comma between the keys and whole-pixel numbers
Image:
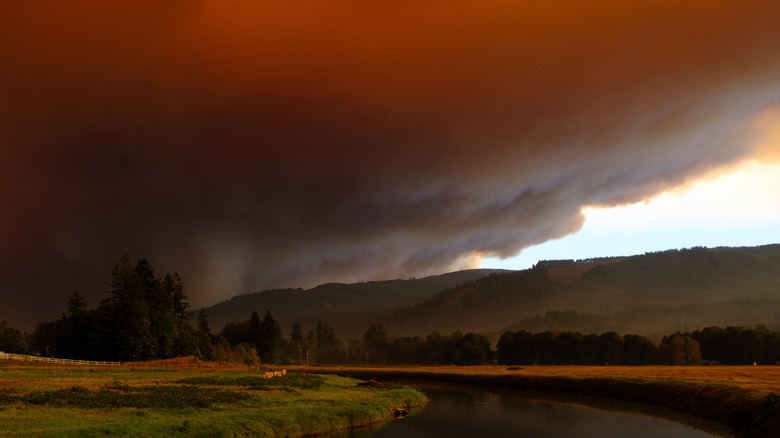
[
  {"x": 297, "y": 333},
  {"x": 376, "y": 343},
  {"x": 297, "y": 345},
  {"x": 76, "y": 304},
  {"x": 159, "y": 310},
  {"x": 186, "y": 342},
  {"x": 311, "y": 344},
  {"x": 127, "y": 312},
  {"x": 142, "y": 317},
  {"x": 328, "y": 346},
  {"x": 203, "y": 321},
  {"x": 254, "y": 334},
  {"x": 236, "y": 333},
  {"x": 174, "y": 285},
  {"x": 73, "y": 331},
  {"x": 206, "y": 350},
  {"x": 270, "y": 339}
]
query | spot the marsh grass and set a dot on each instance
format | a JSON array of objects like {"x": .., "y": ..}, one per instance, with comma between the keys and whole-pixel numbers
[
  {"x": 123, "y": 396},
  {"x": 50, "y": 401},
  {"x": 287, "y": 382}
]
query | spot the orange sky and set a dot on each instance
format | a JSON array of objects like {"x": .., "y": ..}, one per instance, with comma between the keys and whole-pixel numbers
[{"x": 249, "y": 144}]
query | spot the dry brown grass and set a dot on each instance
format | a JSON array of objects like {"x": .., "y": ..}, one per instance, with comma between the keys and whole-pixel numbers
[
  {"x": 188, "y": 363},
  {"x": 758, "y": 378},
  {"x": 17, "y": 374}
]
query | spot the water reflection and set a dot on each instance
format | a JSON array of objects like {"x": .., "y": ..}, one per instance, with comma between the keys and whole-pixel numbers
[{"x": 456, "y": 412}]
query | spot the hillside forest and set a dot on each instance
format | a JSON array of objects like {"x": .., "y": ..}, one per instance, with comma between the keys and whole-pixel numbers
[
  {"x": 682, "y": 303},
  {"x": 653, "y": 295}
]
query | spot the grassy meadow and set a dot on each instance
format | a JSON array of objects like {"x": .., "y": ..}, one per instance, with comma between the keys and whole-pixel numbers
[{"x": 183, "y": 398}]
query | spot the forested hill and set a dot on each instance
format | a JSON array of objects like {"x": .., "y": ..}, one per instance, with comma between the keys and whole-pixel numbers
[
  {"x": 650, "y": 294},
  {"x": 338, "y": 303},
  {"x": 675, "y": 289}
]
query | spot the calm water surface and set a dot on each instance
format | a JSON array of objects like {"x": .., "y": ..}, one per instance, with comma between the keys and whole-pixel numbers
[{"x": 458, "y": 412}]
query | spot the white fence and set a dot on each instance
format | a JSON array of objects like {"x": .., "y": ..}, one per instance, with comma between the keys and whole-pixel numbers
[{"x": 26, "y": 358}]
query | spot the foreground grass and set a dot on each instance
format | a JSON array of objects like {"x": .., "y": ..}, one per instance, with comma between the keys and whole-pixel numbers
[
  {"x": 43, "y": 400},
  {"x": 745, "y": 399}
]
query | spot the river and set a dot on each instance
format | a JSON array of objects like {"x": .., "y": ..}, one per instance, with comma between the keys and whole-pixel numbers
[{"x": 455, "y": 412}]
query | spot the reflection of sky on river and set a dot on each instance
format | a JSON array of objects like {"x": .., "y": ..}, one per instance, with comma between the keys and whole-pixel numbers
[{"x": 457, "y": 413}]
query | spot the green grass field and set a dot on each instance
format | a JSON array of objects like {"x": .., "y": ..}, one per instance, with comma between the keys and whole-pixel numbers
[{"x": 41, "y": 400}]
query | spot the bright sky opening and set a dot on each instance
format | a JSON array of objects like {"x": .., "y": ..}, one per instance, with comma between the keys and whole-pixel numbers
[{"x": 738, "y": 208}]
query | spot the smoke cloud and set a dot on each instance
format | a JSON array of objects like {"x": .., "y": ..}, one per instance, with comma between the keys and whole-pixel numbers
[{"x": 255, "y": 144}]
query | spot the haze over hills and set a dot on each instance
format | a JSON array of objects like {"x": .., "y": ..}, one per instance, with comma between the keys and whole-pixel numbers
[
  {"x": 653, "y": 294},
  {"x": 339, "y": 303}
]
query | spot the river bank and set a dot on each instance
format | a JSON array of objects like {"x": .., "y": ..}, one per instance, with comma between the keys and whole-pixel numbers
[{"x": 745, "y": 399}]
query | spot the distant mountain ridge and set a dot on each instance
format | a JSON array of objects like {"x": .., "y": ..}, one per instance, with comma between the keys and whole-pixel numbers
[
  {"x": 337, "y": 301},
  {"x": 677, "y": 279},
  {"x": 659, "y": 321},
  {"x": 653, "y": 294}
]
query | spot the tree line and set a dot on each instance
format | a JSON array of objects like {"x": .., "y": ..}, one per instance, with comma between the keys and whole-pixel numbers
[
  {"x": 571, "y": 348},
  {"x": 265, "y": 337},
  {"x": 712, "y": 345},
  {"x": 321, "y": 346},
  {"x": 377, "y": 347},
  {"x": 738, "y": 345},
  {"x": 12, "y": 340},
  {"x": 144, "y": 317}
]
